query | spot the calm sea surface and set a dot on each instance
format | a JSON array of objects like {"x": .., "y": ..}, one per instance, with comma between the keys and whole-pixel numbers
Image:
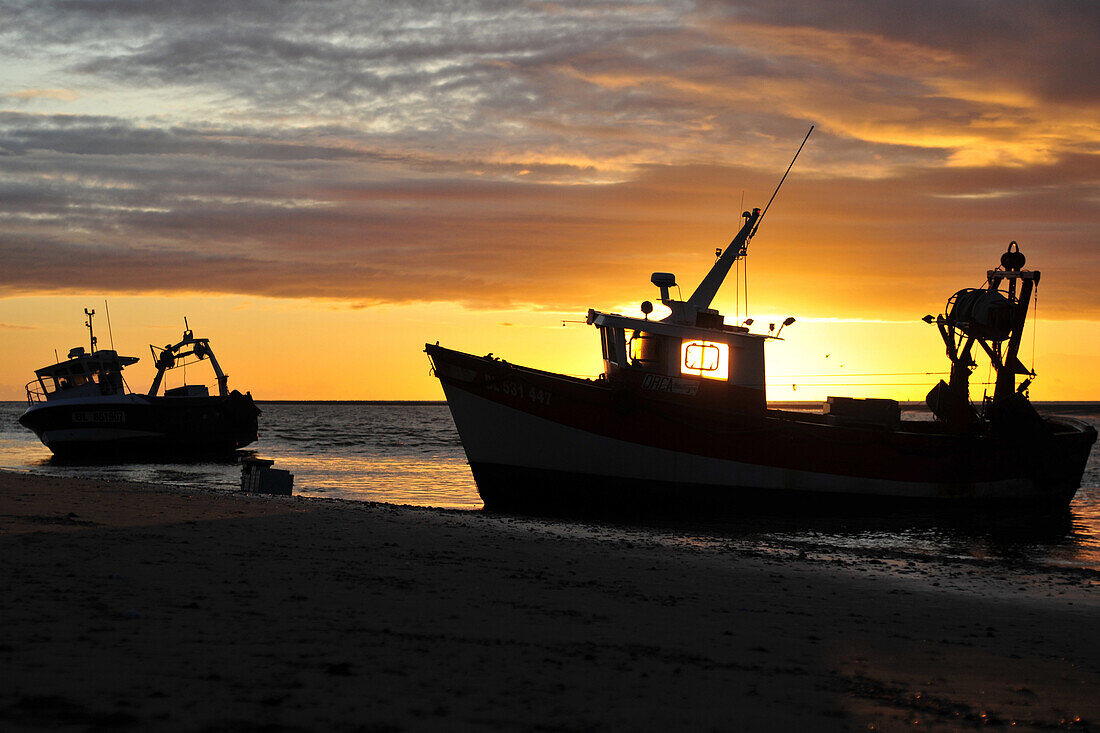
[{"x": 410, "y": 453}]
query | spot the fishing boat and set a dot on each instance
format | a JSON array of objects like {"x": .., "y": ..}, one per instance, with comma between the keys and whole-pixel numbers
[
  {"x": 679, "y": 421},
  {"x": 82, "y": 408}
]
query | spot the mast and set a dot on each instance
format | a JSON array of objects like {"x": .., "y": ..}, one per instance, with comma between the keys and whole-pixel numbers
[
  {"x": 994, "y": 320},
  {"x": 1010, "y": 365},
  {"x": 738, "y": 248},
  {"x": 708, "y": 288}
]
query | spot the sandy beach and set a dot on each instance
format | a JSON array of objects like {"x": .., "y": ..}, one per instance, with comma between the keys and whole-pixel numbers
[{"x": 135, "y": 607}]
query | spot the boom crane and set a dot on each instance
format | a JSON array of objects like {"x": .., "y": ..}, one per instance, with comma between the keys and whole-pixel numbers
[{"x": 738, "y": 248}]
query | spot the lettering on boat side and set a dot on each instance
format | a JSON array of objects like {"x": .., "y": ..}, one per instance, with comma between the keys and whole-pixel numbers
[
  {"x": 515, "y": 389},
  {"x": 99, "y": 416},
  {"x": 659, "y": 383},
  {"x": 457, "y": 373}
]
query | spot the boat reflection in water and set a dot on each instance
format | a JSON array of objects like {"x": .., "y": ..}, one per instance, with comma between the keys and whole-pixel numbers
[{"x": 678, "y": 420}]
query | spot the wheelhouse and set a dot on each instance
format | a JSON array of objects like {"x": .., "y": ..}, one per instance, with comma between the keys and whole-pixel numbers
[
  {"x": 692, "y": 351},
  {"x": 730, "y": 354},
  {"x": 81, "y": 375},
  {"x": 724, "y": 364}
]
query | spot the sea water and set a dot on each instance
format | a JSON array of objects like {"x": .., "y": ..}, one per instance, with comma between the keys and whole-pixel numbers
[
  {"x": 410, "y": 453},
  {"x": 400, "y": 453}
]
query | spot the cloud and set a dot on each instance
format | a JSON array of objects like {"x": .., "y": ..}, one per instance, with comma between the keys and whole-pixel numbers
[
  {"x": 602, "y": 87},
  {"x": 64, "y": 95},
  {"x": 160, "y": 222},
  {"x": 553, "y": 154},
  {"x": 1040, "y": 46}
]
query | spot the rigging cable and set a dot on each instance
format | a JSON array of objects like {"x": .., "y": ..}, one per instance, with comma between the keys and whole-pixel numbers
[
  {"x": 761, "y": 218},
  {"x": 989, "y": 375},
  {"x": 746, "y": 285},
  {"x": 1034, "y": 326},
  {"x": 109, "y": 332},
  {"x": 862, "y": 374},
  {"x": 737, "y": 278},
  {"x": 856, "y": 384}
]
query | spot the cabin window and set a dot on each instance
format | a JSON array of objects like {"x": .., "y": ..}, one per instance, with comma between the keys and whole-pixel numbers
[
  {"x": 708, "y": 359},
  {"x": 614, "y": 345},
  {"x": 109, "y": 380},
  {"x": 644, "y": 349}
]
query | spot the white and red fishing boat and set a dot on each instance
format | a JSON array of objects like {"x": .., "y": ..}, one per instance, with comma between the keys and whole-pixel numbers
[
  {"x": 82, "y": 408},
  {"x": 678, "y": 420}
]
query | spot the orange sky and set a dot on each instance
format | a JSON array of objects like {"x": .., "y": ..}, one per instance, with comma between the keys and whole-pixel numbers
[{"x": 322, "y": 191}]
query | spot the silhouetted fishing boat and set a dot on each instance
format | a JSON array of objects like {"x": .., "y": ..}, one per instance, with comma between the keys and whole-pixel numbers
[
  {"x": 678, "y": 419},
  {"x": 82, "y": 408}
]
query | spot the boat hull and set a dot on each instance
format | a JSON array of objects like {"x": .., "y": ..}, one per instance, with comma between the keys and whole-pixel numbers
[
  {"x": 542, "y": 442},
  {"x": 138, "y": 426}
]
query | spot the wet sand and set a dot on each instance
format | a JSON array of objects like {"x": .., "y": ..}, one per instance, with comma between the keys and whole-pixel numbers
[{"x": 130, "y": 607}]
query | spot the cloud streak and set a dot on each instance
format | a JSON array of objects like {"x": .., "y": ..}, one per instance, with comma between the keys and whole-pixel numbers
[{"x": 496, "y": 153}]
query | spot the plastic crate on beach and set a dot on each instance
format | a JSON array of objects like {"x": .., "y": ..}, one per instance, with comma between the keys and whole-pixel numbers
[{"x": 258, "y": 477}]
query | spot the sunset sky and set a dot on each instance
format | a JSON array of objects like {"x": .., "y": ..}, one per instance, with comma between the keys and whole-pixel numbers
[{"x": 323, "y": 186}]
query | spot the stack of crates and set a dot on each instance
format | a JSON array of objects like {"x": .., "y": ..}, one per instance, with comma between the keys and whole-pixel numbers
[
  {"x": 865, "y": 411},
  {"x": 258, "y": 477}
]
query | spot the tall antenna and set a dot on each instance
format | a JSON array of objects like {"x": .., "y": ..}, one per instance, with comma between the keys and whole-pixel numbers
[
  {"x": 781, "y": 181},
  {"x": 737, "y": 249},
  {"x": 109, "y": 332},
  {"x": 186, "y": 335},
  {"x": 91, "y": 333}
]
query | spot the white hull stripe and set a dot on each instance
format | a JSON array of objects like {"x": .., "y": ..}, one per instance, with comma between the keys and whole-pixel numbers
[
  {"x": 86, "y": 435},
  {"x": 493, "y": 433}
]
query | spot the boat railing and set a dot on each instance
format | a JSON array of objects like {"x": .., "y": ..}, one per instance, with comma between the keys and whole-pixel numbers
[{"x": 35, "y": 393}]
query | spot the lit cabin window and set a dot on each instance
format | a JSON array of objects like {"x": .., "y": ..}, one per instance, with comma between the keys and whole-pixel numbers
[
  {"x": 644, "y": 349},
  {"x": 709, "y": 359}
]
